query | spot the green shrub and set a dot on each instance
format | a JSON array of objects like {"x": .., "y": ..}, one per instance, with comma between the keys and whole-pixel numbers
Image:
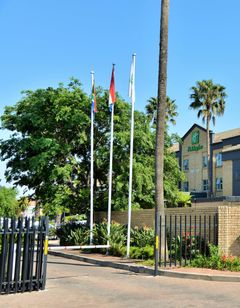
[
  {"x": 117, "y": 239},
  {"x": 148, "y": 252},
  {"x": 187, "y": 246},
  {"x": 72, "y": 234},
  {"x": 80, "y": 236},
  {"x": 141, "y": 237},
  {"x": 143, "y": 253},
  {"x": 216, "y": 261},
  {"x": 183, "y": 199}
]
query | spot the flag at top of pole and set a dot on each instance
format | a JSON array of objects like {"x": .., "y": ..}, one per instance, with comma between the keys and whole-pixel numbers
[
  {"x": 112, "y": 96},
  {"x": 131, "y": 92},
  {"x": 94, "y": 101}
]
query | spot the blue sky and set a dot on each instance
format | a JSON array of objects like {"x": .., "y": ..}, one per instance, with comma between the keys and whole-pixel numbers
[{"x": 48, "y": 41}]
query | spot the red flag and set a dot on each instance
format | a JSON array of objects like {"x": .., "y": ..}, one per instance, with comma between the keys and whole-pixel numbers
[{"x": 112, "y": 96}]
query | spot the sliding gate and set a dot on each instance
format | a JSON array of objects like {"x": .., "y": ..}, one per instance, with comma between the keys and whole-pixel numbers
[{"x": 23, "y": 254}]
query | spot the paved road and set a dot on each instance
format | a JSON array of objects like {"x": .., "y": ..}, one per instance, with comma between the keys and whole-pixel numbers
[{"x": 77, "y": 284}]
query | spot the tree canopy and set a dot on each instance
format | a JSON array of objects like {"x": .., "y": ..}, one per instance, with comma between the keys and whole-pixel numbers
[
  {"x": 171, "y": 110},
  {"x": 209, "y": 99},
  {"x": 49, "y": 150}
]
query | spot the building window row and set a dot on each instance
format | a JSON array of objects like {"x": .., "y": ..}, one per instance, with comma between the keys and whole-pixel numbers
[
  {"x": 219, "y": 185},
  {"x": 218, "y": 157},
  {"x": 204, "y": 163}
]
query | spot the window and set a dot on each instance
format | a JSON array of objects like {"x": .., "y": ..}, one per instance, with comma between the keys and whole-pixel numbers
[
  {"x": 205, "y": 161},
  {"x": 205, "y": 185},
  {"x": 219, "y": 160},
  {"x": 185, "y": 186},
  {"x": 186, "y": 164},
  {"x": 219, "y": 184}
]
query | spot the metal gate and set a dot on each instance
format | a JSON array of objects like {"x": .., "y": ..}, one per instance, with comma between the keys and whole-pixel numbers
[
  {"x": 23, "y": 254},
  {"x": 186, "y": 236}
]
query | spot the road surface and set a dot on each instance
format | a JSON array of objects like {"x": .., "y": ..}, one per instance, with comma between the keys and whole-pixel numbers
[{"x": 76, "y": 284}]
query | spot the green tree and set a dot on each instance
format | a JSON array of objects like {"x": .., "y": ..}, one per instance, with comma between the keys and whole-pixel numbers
[
  {"x": 171, "y": 113},
  {"x": 209, "y": 99},
  {"x": 48, "y": 141},
  {"x": 8, "y": 202},
  {"x": 49, "y": 151}
]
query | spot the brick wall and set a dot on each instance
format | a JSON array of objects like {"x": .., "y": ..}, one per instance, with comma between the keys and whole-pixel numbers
[
  {"x": 143, "y": 218},
  {"x": 228, "y": 221}
]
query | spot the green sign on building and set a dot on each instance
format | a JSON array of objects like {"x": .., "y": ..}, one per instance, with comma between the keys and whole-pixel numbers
[
  {"x": 195, "y": 142},
  {"x": 195, "y": 137}
]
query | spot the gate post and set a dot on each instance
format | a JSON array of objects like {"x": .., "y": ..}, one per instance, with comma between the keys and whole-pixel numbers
[{"x": 45, "y": 253}]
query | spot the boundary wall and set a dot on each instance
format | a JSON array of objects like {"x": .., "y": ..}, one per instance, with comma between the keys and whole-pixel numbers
[{"x": 228, "y": 221}]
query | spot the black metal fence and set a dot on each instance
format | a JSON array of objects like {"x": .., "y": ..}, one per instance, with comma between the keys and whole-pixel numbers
[
  {"x": 23, "y": 254},
  {"x": 185, "y": 237}
]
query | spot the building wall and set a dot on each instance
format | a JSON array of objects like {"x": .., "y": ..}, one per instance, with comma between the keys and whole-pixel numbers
[
  {"x": 227, "y": 178},
  {"x": 227, "y": 145},
  {"x": 196, "y": 172}
]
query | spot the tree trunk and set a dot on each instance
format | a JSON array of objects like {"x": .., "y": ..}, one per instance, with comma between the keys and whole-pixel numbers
[
  {"x": 208, "y": 160},
  {"x": 161, "y": 110}
]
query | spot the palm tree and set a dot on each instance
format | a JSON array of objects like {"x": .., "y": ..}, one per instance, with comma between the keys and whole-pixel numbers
[
  {"x": 209, "y": 99},
  {"x": 160, "y": 128},
  {"x": 171, "y": 113}
]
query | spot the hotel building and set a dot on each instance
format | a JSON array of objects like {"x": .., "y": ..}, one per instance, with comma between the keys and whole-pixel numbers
[{"x": 224, "y": 162}]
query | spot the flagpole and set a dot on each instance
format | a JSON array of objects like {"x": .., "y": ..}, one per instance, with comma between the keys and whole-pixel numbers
[
  {"x": 91, "y": 171},
  {"x": 132, "y": 95},
  {"x": 110, "y": 171}
]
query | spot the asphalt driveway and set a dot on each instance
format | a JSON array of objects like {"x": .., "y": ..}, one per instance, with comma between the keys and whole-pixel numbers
[{"x": 77, "y": 284}]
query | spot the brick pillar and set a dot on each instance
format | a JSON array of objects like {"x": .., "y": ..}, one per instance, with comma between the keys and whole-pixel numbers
[{"x": 223, "y": 229}]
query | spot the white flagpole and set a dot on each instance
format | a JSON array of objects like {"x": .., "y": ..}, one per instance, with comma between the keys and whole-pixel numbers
[
  {"x": 91, "y": 171},
  {"x": 132, "y": 95},
  {"x": 110, "y": 174}
]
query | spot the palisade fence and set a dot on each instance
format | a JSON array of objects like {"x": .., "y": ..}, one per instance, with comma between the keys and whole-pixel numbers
[
  {"x": 23, "y": 254},
  {"x": 185, "y": 237}
]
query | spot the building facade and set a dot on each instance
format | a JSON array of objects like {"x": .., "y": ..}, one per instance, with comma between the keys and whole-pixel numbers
[{"x": 224, "y": 168}]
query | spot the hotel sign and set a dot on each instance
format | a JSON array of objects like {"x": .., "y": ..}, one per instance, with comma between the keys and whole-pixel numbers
[{"x": 195, "y": 142}]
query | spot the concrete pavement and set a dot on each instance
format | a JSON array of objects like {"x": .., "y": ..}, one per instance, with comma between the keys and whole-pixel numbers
[
  {"x": 73, "y": 283},
  {"x": 135, "y": 266}
]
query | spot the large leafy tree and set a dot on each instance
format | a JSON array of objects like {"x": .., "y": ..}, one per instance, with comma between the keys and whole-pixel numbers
[
  {"x": 8, "y": 202},
  {"x": 49, "y": 150},
  {"x": 49, "y": 140},
  {"x": 209, "y": 99}
]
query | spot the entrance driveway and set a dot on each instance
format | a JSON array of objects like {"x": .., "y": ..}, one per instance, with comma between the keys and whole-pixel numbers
[{"x": 76, "y": 284}]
